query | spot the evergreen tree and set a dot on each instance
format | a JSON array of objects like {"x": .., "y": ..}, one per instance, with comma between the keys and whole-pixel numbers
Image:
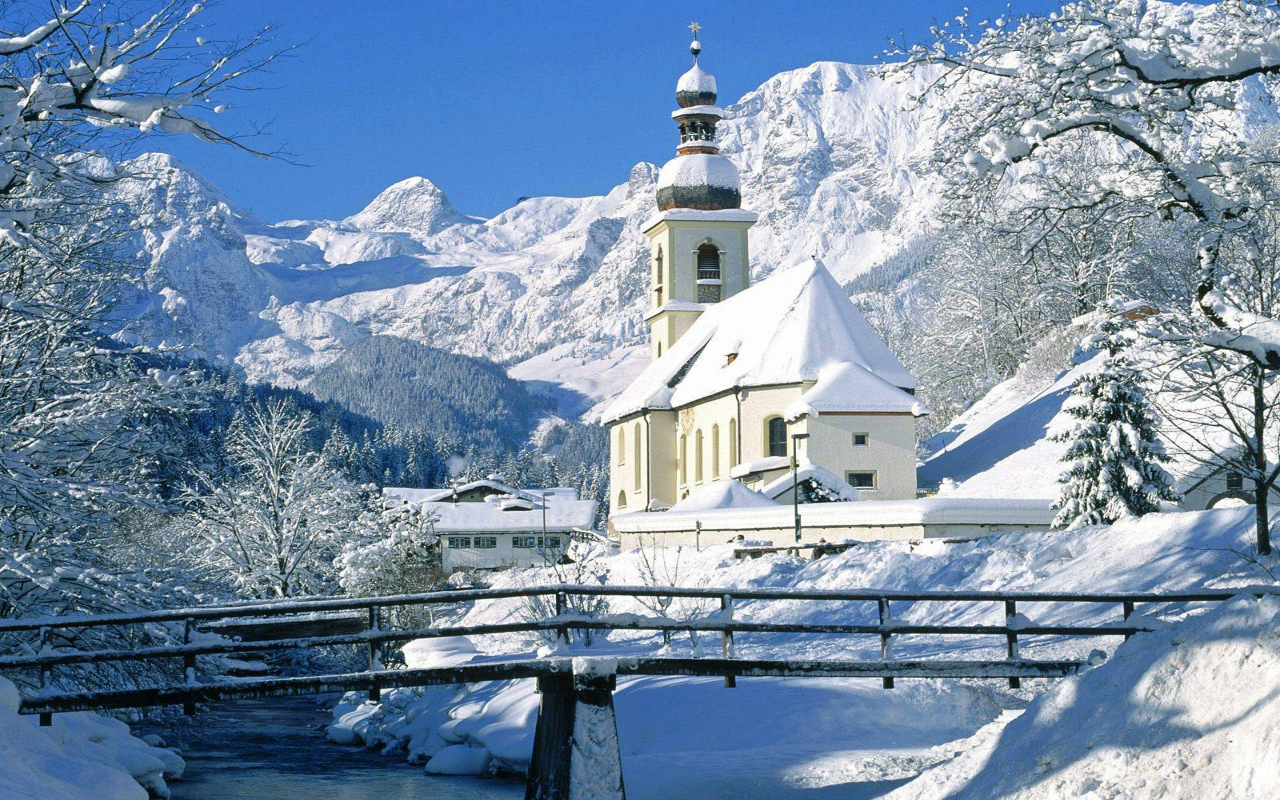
[{"x": 1114, "y": 458}]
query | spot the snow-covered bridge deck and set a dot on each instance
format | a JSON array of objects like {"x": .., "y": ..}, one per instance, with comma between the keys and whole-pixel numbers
[{"x": 576, "y": 692}]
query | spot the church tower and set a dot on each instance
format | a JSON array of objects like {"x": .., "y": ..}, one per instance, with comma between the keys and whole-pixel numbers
[{"x": 698, "y": 239}]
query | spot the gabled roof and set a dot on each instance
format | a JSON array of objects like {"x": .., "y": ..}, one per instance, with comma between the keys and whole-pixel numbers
[
  {"x": 784, "y": 330},
  {"x": 561, "y": 515},
  {"x": 410, "y": 495}
]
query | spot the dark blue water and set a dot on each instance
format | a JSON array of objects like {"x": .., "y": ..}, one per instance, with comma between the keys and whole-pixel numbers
[{"x": 275, "y": 749}]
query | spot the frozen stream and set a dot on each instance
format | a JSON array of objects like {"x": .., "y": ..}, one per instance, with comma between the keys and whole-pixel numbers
[{"x": 275, "y": 749}]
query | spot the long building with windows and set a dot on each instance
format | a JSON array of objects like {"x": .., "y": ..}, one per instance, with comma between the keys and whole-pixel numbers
[
  {"x": 485, "y": 525},
  {"x": 742, "y": 377}
]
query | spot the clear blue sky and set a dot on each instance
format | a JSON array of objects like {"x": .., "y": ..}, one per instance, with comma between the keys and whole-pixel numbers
[{"x": 496, "y": 100}]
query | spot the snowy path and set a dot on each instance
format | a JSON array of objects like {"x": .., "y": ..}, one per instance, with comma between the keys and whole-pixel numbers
[{"x": 272, "y": 750}]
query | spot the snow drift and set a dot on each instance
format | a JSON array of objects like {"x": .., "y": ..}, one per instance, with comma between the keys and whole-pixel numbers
[{"x": 81, "y": 756}]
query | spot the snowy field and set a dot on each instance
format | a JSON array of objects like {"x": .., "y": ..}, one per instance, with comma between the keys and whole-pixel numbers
[{"x": 1195, "y": 704}]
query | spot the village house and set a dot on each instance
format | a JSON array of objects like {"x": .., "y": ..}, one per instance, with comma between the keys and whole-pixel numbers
[
  {"x": 486, "y": 525},
  {"x": 742, "y": 378}
]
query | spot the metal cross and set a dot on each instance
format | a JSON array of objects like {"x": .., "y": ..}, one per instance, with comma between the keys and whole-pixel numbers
[{"x": 695, "y": 27}]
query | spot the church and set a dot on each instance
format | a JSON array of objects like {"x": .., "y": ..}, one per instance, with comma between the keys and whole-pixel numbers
[{"x": 743, "y": 377}]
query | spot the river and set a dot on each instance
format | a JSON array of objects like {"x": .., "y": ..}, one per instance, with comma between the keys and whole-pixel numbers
[{"x": 275, "y": 749}]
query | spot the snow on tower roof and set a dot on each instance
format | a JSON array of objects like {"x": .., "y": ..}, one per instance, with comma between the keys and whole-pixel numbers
[
  {"x": 699, "y": 169},
  {"x": 786, "y": 329},
  {"x": 697, "y": 81}
]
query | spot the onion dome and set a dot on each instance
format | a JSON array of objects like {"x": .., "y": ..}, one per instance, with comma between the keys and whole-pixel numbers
[
  {"x": 697, "y": 87},
  {"x": 705, "y": 181}
]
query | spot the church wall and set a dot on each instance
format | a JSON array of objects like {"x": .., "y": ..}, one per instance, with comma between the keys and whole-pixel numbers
[
  {"x": 890, "y": 451},
  {"x": 679, "y": 240},
  {"x": 645, "y": 473}
]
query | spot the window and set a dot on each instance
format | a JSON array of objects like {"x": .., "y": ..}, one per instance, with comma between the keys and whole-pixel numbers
[
  {"x": 733, "y": 443},
  {"x": 862, "y": 480},
  {"x": 1235, "y": 482},
  {"x": 622, "y": 497},
  {"x": 708, "y": 259},
  {"x": 485, "y": 542},
  {"x": 461, "y": 541},
  {"x": 684, "y": 458},
  {"x": 777, "y": 436},
  {"x": 697, "y": 456},
  {"x": 715, "y": 451},
  {"x": 622, "y": 446},
  {"x": 861, "y": 440},
  {"x": 554, "y": 541},
  {"x": 635, "y": 456},
  {"x": 657, "y": 277},
  {"x": 524, "y": 542}
]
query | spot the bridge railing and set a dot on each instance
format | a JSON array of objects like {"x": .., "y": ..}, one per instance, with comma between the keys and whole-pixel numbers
[{"x": 375, "y": 638}]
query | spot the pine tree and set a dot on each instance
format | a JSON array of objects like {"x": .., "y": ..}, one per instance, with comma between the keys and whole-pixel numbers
[{"x": 1114, "y": 458}]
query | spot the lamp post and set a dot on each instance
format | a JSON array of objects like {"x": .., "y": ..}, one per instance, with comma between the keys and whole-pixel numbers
[{"x": 796, "y": 438}]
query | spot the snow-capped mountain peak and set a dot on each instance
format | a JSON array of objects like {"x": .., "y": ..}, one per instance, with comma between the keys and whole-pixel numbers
[{"x": 414, "y": 205}]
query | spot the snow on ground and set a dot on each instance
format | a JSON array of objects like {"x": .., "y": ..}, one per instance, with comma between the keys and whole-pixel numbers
[
  {"x": 770, "y": 738},
  {"x": 81, "y": 756},
  {"x": 1188, "y": 711}
]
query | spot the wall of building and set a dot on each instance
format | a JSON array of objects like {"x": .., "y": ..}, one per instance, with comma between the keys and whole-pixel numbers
[
  {"x": 1215, "y": 488},
  {"x": 679, "y": 241},
  {"x": 504, "y": 556},
  {"x": 890, "y": 451},
  {"x": 781, "y": 535}
]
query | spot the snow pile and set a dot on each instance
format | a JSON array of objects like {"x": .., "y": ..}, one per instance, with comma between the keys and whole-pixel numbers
[
  {"x": 699, "y": 169},
  {"x": 685, "y": 737},
  {"x": 1189, "y": 711},
  {"x": 81, "y": 756},
  {"x": 726, "y": 493}
]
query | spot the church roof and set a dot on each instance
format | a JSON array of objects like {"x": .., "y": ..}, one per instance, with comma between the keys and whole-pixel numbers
[{"x": 796, "y": 326}]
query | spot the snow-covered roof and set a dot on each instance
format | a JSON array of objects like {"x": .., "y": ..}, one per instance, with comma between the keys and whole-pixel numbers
[
  {"x": 726, "y": 493},
  {"x": 783, "y": 483},
  {"x": 785, "y": 330},
  {"x": 847, "y": 386},
  {"x": 561, "y": 515},
  {"x": 697, "y": 81},
  {"x": 699, "y": 215},
  {"x": 410, "y": 495},
  {"x": 699, "y": 169},
  {"x": 713, "y": 111},
  {"x": 759, "y": 465}
]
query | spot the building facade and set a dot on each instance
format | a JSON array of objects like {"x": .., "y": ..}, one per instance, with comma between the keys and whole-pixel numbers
[{"x": 742, "y": 376}]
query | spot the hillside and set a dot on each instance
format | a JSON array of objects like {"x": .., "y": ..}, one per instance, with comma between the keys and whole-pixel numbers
[{"x": 406, "y": 384}]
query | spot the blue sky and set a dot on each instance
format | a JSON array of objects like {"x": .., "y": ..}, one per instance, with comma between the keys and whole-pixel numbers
[{"x": 497, "y": 100}]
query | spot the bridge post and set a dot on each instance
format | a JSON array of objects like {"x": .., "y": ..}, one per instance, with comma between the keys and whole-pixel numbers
[
  {"x": 562, "y": 634},
  {"x": 46, "y": 677},
  {"x": 576, "y": 755},
  {"x": 188, "y": 665},
  {"x": 882, "y": 606},
  {"x": 1127, "y": 607},
  {"x": 375, "y": 654},
  {"x": 1011, "y": 645},
  {"x": 726, "y": 638}
]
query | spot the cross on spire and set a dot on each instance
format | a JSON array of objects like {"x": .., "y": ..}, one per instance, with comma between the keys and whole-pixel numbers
[
  {"x": 695, "y": 47},
  {"x": 695, "y": 27}
]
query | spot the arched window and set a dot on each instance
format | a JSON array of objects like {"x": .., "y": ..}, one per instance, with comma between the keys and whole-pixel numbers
[
  {"x": 684, "y": 458},
  {"x": 715, "y": 450},
  {"x": 733, "y": 443},
  {"x": 622, "y": 446},
  {"x": 776, "y": 429},
  {"x": 622, "y": 497},
  {"x": 708, "y": 259},
  {"x": 657, "y": 277},
  {"x": 635, "y": 456},
  {"x": 697, "y": 456}
]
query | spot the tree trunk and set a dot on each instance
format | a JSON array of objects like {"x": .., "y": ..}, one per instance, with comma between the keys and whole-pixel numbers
[{"x": 1261, "y": 486}]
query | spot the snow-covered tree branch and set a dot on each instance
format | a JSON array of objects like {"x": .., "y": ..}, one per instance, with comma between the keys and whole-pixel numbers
[{"x": 1161, "y": 84}]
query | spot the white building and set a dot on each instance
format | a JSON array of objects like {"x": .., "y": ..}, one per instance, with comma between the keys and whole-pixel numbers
[
  {"x": 743, "y": 376},
  {"x": 489, "y": 525}
]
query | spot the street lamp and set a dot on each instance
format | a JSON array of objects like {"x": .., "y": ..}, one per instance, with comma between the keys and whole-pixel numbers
[{"x": 796, "y": 438}]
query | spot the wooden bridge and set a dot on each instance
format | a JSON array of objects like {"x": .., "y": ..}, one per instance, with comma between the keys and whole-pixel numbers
[{"x": 576, "y": 693}]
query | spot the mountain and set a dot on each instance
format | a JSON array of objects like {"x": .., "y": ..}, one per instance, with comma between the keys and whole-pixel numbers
[
  {"x": 415, "y": 387},
  {"x": 553, "y": 289}
]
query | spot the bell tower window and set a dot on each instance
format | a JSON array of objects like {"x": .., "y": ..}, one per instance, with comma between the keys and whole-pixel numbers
[
  {"x": 657, "y": 277},
  {"x": 708, "y": 263}
]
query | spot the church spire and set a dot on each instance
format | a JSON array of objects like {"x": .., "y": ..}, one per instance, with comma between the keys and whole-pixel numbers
[{"x": 698, "y": 177}]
